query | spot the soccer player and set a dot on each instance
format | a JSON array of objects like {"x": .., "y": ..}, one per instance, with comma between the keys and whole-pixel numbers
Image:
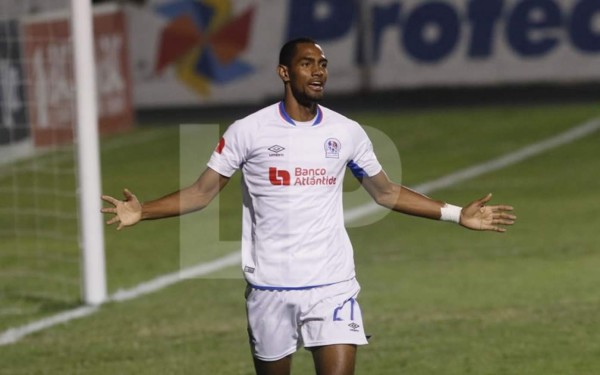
[{"x": 297, "y": 258}]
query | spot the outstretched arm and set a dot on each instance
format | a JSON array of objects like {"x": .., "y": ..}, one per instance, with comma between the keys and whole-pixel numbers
[
  {"x": 192, "y": 198},
  {"x": 476, "y": 215}
]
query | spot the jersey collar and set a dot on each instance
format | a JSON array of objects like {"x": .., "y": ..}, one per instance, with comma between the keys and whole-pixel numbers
[{"x": 289, "y": 120}]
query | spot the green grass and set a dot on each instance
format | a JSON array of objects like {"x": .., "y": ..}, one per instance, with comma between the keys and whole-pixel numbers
[{"x": 438, "y": 299}]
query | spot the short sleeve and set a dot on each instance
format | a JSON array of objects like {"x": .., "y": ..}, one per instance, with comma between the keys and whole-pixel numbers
[
  {"x": 231, "y": 151},
  {"x": 363, "y": 161}
]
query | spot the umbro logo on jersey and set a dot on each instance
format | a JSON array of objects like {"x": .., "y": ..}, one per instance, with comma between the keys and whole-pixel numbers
[
  {"x": 276, "y": 150},
  {"x": 354, "y": 327}
]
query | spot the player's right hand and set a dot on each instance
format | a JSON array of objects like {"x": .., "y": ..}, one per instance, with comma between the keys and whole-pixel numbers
[{"x": 127, "y": 212}]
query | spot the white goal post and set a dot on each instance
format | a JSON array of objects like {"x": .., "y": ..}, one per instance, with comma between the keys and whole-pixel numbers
[
  {"x": 64, "y": 80},
  {"x": 92, "y": 231}
]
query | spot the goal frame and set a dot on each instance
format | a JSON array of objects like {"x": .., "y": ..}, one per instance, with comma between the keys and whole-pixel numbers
[{"x": 93, "y": 269}]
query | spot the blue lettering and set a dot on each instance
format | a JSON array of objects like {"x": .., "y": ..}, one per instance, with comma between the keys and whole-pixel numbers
[
  {"x": 483, "y": 15},
  {"x": 525, "y": 27},
  {"x": 582, "y": 33},
  {"x": 437, "y": 18},
  {"x": 382, "y": 18},
  {"x": 430, "y": 31},
  {"x": 320, "y": 19}
]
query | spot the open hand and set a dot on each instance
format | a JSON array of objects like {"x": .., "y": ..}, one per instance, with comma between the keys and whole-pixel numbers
[
  {"x": 127, "y": 212},
  {"x": 477, "y": 216}
]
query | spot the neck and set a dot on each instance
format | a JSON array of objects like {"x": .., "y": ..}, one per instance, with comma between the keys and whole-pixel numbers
[{"x": 300, "y": 111}]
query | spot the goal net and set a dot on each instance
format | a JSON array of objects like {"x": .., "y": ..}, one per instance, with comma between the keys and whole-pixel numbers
[
  {"x": 39, "y": 254},
  {"x": 41, "y": 227}
]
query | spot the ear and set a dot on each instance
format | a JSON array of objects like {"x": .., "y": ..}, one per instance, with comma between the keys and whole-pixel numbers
[{"x": 283, "y": 72}]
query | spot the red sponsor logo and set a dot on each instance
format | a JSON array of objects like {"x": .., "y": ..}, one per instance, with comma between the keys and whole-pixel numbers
[
  {"x": 220, "y": 145},
  {"x": 302, "y": 177},
  {"x": 279, "y": 176}
]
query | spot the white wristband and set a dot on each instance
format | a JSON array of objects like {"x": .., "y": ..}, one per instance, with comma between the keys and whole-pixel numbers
[{"x": 450, "y": 213}]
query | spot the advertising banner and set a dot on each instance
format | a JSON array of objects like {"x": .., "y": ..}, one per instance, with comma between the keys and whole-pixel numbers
[
  {"x": 206, "y": 52},
  {"x": 188, "y": 52},
  {"x": 484, "y": 42},
  {"x": 13, "y": 126},
  {"x": 48, "y": 51}
]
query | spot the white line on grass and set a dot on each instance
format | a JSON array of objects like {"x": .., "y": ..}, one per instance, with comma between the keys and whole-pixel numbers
[
  {"x": 172, "y": 278},
  {"x": 14, "y": 334}
]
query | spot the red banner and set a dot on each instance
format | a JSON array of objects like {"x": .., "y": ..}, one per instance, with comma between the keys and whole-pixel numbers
[{"x": 50, "y": 75}]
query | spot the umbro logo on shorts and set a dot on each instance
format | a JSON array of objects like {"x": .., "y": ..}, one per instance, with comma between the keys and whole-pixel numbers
[{"x": 353, "y": 327}]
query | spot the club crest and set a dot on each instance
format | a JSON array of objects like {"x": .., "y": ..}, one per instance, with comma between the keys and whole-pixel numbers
[{"x": 332, "y": 148}]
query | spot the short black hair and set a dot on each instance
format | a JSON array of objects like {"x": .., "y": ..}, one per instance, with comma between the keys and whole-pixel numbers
[{"x": 289, "y": 49}]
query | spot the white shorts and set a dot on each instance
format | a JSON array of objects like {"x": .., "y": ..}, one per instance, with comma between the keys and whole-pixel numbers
[{"x": 281, "y": 321}]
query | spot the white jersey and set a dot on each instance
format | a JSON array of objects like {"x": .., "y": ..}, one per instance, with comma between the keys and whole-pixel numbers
[{"x": 293, "y": 233}]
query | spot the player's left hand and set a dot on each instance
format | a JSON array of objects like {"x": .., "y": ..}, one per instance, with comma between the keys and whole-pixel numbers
[{"x": 477, "y": 216}]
